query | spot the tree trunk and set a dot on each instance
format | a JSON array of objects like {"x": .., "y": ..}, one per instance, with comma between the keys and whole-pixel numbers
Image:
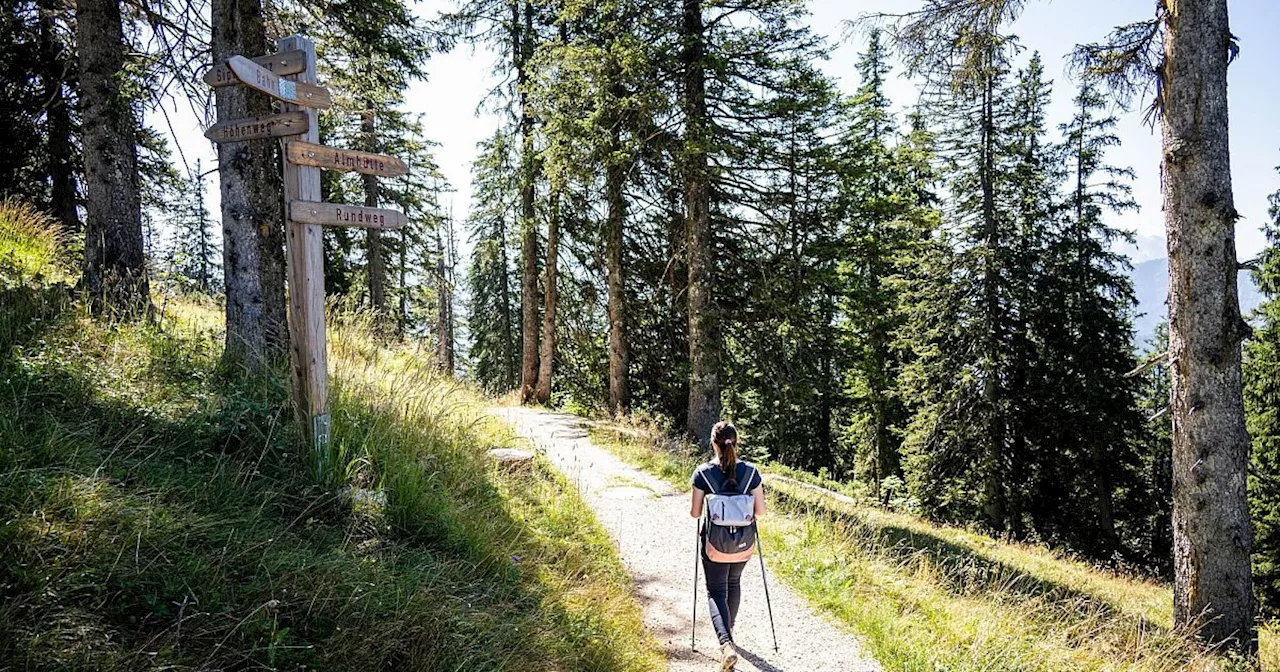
[
  {"x": 252, "y": 203},
  {"x": 993, "y": 499},
  {"x": 201, "y": 214},
  {"x": 444, "y": 309},
  {"x": 551, "y": 298},
  {"x": 375, "y": 260},
  {"x": 58, "y": 121},
  {"x": 619, "y": 387},
  {"x": 704, "y": 355},
  {"x": 115, "y": 265},
  {"x": 522, "y": 48},
  {"x": 1211, "y": 531},
  {"x": 508, "y": 338}
]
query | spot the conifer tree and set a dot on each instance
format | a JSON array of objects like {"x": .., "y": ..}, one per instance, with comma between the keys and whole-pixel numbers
[
  {"x": 252, "y": 218},
  {"x": 879, "y": 197},
  {"x": 114, "y": 262},
  {"x": 493, "y": 311},
  {"x": 195, "y": 256},
  {"x": 1084, "y": 301},
  {"x": 957, "y": 441},
  {"x": 1262, "y": 394}
]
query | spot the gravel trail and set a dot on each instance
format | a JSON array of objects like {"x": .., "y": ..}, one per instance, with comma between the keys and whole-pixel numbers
[{"x": 660, "y": 558}]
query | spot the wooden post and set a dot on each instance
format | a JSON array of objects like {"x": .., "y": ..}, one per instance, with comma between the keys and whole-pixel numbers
[{"x": 304, "y": 254}]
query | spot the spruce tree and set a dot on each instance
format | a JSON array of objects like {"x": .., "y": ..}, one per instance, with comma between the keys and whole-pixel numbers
[
  {"x": 1262, "y": 394},
  {"x": 957, "y": 442},
  {"x": 1082, "y": 324},
  {"x": 493, "y": 310},
  {"x": 195, "y": 254},
  {"x": 879, "y": 200}
]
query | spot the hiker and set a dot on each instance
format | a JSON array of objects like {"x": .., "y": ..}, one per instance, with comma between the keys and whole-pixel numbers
[{"x": 724, "y": 549}]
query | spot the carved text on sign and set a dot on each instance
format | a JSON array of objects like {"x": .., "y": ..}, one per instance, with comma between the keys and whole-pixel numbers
[
  {"x": 283, "y": 63},
  {"x": 368, "y": 163},
  {"x": 257, "y": 77},
  {"x": 252, "y": 128},
  {"x": 338, "y": 214}
]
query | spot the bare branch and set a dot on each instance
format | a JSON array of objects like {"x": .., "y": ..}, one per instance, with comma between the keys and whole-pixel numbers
[{"x": 1151, "y": 361}]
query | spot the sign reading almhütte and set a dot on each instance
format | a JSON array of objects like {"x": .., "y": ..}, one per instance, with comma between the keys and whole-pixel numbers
[
  {"x": 257, "y": 77},
  {"x": 337, "y": 214},
  {"x": 283, "y": 63},
  {"x": 368, "y": 163},
  {"x": 252, "y": 128}
]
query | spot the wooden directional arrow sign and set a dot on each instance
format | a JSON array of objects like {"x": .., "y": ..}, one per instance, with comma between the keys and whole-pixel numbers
[
  {"x": 257, "y": 77},
  {"x": 283, "y": 63},
  {"x": 266, "y": 126},
  {"x": 337, "y": 214},
  {"x": 307, "y": 154}
]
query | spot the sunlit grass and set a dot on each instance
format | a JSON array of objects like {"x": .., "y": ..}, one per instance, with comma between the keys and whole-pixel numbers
[
  {"x": 32, "y": 247},
  {"x": 927, "y": 597},
  {"x": 159, "y": 511}
]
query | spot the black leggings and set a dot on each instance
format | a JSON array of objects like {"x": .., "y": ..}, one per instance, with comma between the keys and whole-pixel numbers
[{"x": 724, "y": 592}]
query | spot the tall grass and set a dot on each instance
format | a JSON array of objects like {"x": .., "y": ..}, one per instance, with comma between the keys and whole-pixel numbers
[
  {"x": 32, "y": 247},
  {"x": 158, "y": 512},
  {"x": 926, "y": 597}
]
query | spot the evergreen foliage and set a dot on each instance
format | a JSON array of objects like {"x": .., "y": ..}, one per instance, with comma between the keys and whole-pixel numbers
[
  {"x": 1262, "y": 396},
  {"x": 493, "y": 310},
  {"x": 194, "y": 256}
]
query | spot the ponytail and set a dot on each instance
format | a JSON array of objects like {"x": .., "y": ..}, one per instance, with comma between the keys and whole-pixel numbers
[{"x": 725, "y": 437}]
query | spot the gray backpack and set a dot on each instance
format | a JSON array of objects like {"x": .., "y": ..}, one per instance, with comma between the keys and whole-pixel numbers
[{"x": 730, "y": 525}]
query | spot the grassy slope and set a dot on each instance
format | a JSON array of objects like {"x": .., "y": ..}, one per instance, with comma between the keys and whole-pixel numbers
[
  {"x": 157, "y": 513},
  {"x": 931, "y": 598}
]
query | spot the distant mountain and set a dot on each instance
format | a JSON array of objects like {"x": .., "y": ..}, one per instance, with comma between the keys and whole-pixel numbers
[{"x": 1151, "y": 285}]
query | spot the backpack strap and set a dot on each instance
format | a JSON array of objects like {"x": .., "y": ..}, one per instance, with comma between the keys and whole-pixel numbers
[
  {"x": 750, "y": 475},
  {"x": 703, "y": 474}
]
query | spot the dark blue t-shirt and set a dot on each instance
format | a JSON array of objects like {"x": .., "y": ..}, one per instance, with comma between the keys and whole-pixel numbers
[{"x": 713, "y": 473}]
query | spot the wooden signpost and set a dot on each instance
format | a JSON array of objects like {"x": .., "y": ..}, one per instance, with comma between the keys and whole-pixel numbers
[
  {"x": 307, "y": 154},
  {"x": 283, "y": 63},
  {"x": 254, "y": 128},
  {"x": 296, "y": 91},
  {"x": 337, "y": 214},
  {"x": 289, "y": 76}
]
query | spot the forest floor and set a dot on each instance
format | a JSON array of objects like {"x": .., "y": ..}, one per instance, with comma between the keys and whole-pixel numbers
[{"x": 648, "y": 519}]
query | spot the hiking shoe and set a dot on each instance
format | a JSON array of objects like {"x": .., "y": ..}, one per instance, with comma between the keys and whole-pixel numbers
[{"x": 728, "y": 657}]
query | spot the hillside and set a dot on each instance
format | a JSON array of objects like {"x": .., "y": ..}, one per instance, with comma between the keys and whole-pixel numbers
[
  {"x": 157, "y": 513},
  {"x": 1151, "y": 285},
  {"x": 932, "y": 597}
]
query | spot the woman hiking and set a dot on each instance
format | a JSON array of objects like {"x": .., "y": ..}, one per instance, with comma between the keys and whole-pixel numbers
[{"x": 724, "y": 548}]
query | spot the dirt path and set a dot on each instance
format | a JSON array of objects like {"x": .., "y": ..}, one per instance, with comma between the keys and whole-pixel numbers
[{"x": 660, "y": 557}]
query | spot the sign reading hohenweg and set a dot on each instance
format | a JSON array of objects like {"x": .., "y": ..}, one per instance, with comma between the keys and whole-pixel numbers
[{"x": 253, "y": 128}]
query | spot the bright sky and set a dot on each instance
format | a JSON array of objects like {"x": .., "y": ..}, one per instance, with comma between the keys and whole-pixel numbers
[{"x": 457, "y": 82}]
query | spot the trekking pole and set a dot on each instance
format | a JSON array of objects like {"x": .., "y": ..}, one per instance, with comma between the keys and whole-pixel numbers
[
  {"x": 769, "y": 604},
  {"x": 693, "y": 628}
]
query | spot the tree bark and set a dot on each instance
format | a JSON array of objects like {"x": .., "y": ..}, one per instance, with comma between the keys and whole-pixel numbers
[
  {"x": 704, "y": 339},
  {"x": 375, "y": 260},
  {"x": 551, "y": 297},
  {"x": 522, "y": 48},
  {"x": 619, "y": 351},
  {"x": 115, "y": 264},
  {"x": 1211, "y": 530},
  {"x": 252, "y": 204},
  {"x": 57, "y": 73},
  {"x": 444, "y": 306}
]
